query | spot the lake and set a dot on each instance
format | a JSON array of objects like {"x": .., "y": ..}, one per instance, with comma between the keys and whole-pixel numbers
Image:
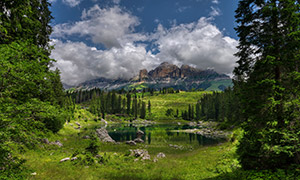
[{"x": 160, "y": 134}]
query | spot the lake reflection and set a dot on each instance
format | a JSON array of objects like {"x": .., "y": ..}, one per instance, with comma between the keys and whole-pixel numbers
[{"x": 159, "y": 133}]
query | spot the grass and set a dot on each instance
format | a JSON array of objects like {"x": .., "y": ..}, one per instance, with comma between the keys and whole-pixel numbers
[
  {"x": 161, "y": 102},
  {"x": 187, "y": 163},
  {"x": 215, "y": 84},
  {"x": 178, "y": 164}
]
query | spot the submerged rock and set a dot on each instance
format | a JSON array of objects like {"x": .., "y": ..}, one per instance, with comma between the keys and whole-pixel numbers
[{"x": 104, "y": 136}]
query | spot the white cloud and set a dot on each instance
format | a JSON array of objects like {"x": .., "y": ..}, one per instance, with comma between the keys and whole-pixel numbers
[
  {"x": 79, "y": 62},
  {"x": 106, "y": 26},
  {"x": 183, "y": 8},
  {"x": 201, "y": 44},
  {"x": 214, "y": 11},
  {"x": 71, "y": 3},
  {"x": 116, "y": 1},
  {"x": 215, "y": 1}
]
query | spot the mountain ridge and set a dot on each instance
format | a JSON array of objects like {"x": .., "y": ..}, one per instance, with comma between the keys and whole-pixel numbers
[{"x": 164, "y": 76}]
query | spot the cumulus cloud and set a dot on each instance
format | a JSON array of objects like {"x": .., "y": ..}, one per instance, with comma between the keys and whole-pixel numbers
[
  {"x": 200, "y": 43},
  {"x": 71, "y": 3},
  {"x": 110, "y": 27},
  {"x": 79, "y": 62}
]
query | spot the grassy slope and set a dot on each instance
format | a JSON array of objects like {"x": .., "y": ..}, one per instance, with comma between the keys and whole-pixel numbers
[
  {"x": 161, "y": 102},
  {"x": 198, "y": 163},
  {"x": 179, "y": 164},
  {"x": 215, "y": 84}
]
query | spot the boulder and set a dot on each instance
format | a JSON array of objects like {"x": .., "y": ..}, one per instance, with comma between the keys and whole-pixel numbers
[
  {"x": 86, "y": 137},
  {"x": 57, "y": 143},
  {"x": 139, "y": 134},
  {"x": 132, "y": 143},
  {"x": 160, "y": 155},
  {"x": 104, "y": 136},
  {"x": 138, "y": 140},
  {"x": 65, "y": 159},
  {"x": 140, "y": 153},
  {"x": 103, "y": 121},
  {"x": 73, "y": 158},
  {"x": 46, "y": 141}
]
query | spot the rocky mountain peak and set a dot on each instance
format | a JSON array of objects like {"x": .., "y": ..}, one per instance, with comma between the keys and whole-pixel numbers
[
  {"x": 143, "y": 75},
  {"x": 165, "y": 70}
]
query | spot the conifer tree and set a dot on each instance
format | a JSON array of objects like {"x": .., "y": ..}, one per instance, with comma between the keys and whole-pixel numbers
[{"x": 267, "y": 79}]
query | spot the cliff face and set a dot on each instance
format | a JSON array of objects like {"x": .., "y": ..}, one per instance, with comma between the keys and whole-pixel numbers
[
  {"x": 166, "y": 70},
  {"x": 165, "y": 75},
  {"x": 143, "y": 75}
]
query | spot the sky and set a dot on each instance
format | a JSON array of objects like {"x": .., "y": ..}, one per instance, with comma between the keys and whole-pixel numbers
[{"x": 117, "y": 38}]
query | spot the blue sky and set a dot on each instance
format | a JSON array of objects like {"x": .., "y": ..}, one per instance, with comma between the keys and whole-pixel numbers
[{"x": 117, "y": 38}]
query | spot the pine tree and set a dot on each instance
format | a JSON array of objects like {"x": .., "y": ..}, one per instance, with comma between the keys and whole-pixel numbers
[
  {"x": 149, "y": 107},
  {"x": 267, "y": 79},
  {"x": 128, "y": 96},
  {"x": 143, "y": 110}
]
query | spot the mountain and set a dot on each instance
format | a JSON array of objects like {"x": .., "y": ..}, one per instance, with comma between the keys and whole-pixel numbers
[{"x": 164, "y": 76}]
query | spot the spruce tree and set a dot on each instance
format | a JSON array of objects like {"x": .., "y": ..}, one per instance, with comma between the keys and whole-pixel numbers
[{"x": 268, "y": 82}]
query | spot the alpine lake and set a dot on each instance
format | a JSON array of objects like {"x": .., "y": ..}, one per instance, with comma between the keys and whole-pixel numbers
[{"x": 172, "y": 135}]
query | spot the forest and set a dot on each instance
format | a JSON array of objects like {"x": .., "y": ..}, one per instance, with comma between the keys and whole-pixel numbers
[{"x": 259, "y": 114}]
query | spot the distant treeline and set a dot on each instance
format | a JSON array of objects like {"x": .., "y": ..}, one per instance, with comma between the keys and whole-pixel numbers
[
  {"x": 218, "y": 106},
  {"x": 102, "y": 102}
]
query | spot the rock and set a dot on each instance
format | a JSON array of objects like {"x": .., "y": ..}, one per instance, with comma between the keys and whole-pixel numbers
[
  {"x": 139, "y": 134},
  {"x": 104, "y": 136},
  {"x": 33, "y": 174},
  {"x": 155, "y": 160},
  {"x": 142, "y": 153},
  {"x": 98, "y": 156},
  {"x": 143, "y": 75},
  {"x": 146, "y": 157},
  {"x": 160, "y": 155},
  {"x": 192, "y": 124},
  {"x": 46, "y": 141},
  {"x": 103, "y": 121},
  {"x": 77, "y": 123},
  {"x": 65, "y": 159},
  {"x": 73, "y": 158},
  {"x": 132, "y": 143},
  {"x": 138, "y": 140},
  {"x": 175, "y": 146},
  {"x": 179, "y": 123},
  {"x": 86, "y": 137},
  {"x": 58, "y": 143}
]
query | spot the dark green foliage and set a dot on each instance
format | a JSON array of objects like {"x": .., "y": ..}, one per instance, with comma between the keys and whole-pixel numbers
[
  {"x": 169, "y": 112},
  {"x": 149, "y": 107},
  {"x": 31, "y": 95},
  {"x": 267, "y": 81},
  {"x": 143, "y": 110},
  {"x": 128, "y": 96},
  {"x": 221, "y": 107}
]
